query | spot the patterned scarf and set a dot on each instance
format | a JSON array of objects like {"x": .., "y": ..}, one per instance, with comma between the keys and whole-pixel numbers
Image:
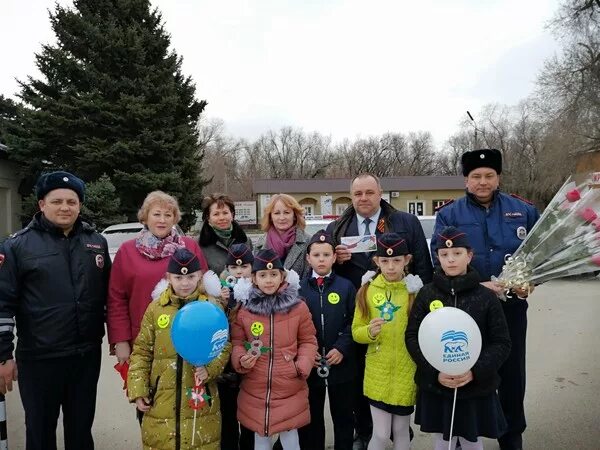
[
  {"x": 281, "y": 243},
  {"x": 156, "y": 248}
]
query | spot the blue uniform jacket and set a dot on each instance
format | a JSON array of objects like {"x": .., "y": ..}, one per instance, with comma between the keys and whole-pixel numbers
[
  {"x": 493, "y": 232},
  {"x": 335, "y": 299}
]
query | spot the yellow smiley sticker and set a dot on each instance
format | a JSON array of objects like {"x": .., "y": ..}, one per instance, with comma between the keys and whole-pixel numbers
[
  {"x": 257, "y": 328},
  {"x": 163, "y": 320},
  {"x": 334, "y": 298},
  {"x": 379, "y": 299},
  {"x": 436, "y": 304}
]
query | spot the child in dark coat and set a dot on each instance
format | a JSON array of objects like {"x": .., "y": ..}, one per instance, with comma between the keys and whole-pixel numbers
[
  {"x": 330, "y": 299},
  {"x": 478, "y": 411}
]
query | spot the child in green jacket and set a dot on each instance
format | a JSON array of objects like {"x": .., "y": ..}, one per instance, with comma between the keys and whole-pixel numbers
[
  {"x": 382, "y": 307},
  {"x": 160, "y": 382}
]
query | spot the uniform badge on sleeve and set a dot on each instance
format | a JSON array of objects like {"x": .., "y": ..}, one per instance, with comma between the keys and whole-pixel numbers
[
  {"x": 1, "y": 259},
  {"x": 100, "y": 261},
  {"x": 521, "y": 233}
]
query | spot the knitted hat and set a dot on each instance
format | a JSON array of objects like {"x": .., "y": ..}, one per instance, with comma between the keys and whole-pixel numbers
[
  {"x": 391, "y": 244},
  {"x": 59, "y": 180},
  {"x": 238, "y": 255},
  {"x": 320, "y": 237},
  {"x": 183, "y": 262},
  {"x": 451, "y": 237},
  {"x": 266, "y": 259},
  {"x": 487, "y": 157}
]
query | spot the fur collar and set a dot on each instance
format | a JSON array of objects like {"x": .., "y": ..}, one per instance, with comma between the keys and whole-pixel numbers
[{"x": 280, "y": 302}]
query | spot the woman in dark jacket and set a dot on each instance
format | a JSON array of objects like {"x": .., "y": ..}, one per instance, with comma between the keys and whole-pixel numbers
[
  {"x": 478, "y": 411},
  {"x": 219, "y": 232}
]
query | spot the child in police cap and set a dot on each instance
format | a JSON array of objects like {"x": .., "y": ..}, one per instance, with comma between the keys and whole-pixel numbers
[
  {"x": 274, "y": 347},
  {"x": 238, "y": 265},
  {"x": 158, "y": 377},
  {"x": 330, "y": 299},
  {"x": 478, "y": 412},
  {"x": 382, "y": 307}
]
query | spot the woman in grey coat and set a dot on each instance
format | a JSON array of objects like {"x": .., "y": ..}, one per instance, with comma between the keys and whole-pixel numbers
[{"x": 283, "y": 224}]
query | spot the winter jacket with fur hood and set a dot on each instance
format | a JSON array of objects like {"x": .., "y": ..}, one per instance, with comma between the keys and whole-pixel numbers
[
  {"x": 157, "y": 371},
  {"x": 274, "y": 393}
]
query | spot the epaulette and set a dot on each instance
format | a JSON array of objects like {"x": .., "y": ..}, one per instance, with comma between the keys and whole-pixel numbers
[
  {"x": 443, "y": 204},
  {"x": 522, "y": 199}
]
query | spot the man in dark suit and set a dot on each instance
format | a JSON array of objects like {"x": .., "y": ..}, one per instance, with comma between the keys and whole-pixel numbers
[{"x": 371, "y": 215}]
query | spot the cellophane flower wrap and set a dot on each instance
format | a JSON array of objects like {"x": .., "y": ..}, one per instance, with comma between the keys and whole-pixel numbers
[{"x": 565, "y": 240}]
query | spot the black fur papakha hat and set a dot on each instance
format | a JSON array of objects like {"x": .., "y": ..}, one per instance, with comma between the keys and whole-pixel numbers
[{"x": 487, "y": 157}]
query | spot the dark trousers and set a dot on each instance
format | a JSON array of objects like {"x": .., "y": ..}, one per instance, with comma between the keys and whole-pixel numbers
[
  {"x": 312, "y": 436},
  {"x": 234, "y": 436},
  {"x": 46, "y": 385},
  {"x": 512, "y": 387},
  {"x": 363, "y": 423}
]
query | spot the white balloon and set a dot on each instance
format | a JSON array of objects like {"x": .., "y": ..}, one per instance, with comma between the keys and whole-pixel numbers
[{"x": 450, "y": 340}]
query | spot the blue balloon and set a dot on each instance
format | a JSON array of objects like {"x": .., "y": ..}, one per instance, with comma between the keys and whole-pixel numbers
[{"x": 199, "y": 332}]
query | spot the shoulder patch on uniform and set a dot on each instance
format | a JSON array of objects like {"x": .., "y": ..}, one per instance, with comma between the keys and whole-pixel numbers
[
  {"x": 446, "y": 203},
  {"x": 522, "y": 199}
]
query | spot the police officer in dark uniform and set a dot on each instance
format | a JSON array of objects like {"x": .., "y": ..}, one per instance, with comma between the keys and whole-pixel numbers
[
  {"x": 496, "y": 224},
  {"x": 53, "y": 285}
]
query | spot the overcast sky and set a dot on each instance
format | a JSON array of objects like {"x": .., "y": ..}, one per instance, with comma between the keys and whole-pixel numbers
[{"x": 340, "y": 67}]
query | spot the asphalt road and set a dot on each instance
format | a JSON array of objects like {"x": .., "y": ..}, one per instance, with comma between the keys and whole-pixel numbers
[{"x": 563, "y": 393}]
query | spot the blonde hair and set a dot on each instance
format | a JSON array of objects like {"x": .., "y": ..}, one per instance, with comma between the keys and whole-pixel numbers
[
  {"x": 162, "y": 199},
  {"x": 289, "y": 202}
]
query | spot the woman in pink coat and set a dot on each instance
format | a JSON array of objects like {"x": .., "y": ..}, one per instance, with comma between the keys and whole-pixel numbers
[
  {"x": 138, "y": 267},
  {"x": 274, "y": 347}
]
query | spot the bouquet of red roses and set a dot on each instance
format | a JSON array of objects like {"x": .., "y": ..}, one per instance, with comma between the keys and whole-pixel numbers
[{"x": 565, "y": 241}]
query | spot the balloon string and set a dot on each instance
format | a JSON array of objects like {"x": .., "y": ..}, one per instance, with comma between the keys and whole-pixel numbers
[
  {"x": 452, "y": 420},
  {"x": 196, "y": 383}
]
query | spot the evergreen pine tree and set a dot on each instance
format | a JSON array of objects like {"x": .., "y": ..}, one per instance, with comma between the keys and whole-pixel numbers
[{"x": 112, "y": 100}]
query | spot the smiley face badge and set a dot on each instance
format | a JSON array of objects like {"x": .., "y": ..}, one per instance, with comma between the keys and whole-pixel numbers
[{"x": 163, "y": 320}]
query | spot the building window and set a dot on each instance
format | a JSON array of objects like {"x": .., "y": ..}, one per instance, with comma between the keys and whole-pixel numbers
[
  {"x": 340, "y": 208},
  {"x": 309, "y": 210},
  {"x": 436, "y": 204},
  {"x": 416, "y": 207}
]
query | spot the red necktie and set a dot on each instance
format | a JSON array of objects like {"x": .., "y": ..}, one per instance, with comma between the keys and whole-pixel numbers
[{"x": 320, "y": 281}]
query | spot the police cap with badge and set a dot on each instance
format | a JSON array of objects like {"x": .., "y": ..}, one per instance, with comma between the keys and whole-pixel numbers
[
  {"x": 391, "y": 244},
  {"x": 451, "y": 237},
  {"x": 59, "y": 180},
  {"x": 183, "y": 262},
  {"x": 266, "y": 259},
  {"x": 320, "y": 237},
  {"x": 486, "y": 157},
  {"x": 238, "y": 255}
]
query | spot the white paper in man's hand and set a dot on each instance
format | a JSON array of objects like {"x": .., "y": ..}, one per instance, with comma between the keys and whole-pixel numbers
[{"x": 360, "y": 244}]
